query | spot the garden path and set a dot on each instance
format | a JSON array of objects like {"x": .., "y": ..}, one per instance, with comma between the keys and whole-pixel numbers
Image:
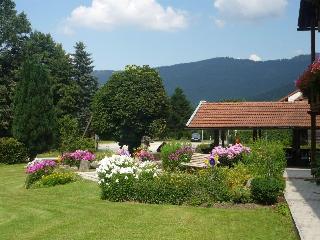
[{"x": 303, "y": 198}]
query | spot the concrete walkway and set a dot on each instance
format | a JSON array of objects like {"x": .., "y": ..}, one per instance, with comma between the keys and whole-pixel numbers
[
  {"x": 92, "y": 176},
  {"x": 303, "y": 197}
]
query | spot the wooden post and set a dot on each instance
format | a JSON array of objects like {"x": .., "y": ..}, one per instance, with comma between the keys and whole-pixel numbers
[
  {"x": 313, "y": 114},
  {"x": 260, "y": 133},
  {"x": 313, "y": 42},
  {"x": 313, "y": 142},
  {"x": 223, "y": 137},
  {"x": 296, "y": 146},
  {"x": 254, "y": 135},
  {"x": 216, "y": 137}
]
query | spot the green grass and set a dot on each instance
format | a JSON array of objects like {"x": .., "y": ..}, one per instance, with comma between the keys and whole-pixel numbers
[
  {"x": 74, "y": 211},
  {"x": 54, "y": 153}
]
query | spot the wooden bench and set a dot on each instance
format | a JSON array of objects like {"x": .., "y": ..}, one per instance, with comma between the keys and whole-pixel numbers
[{"x": 197, "y": 161}]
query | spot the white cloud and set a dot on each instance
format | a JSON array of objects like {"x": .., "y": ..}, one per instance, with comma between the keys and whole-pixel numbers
[
  {"x": 255, "y": 57},
  {"x": 108, "y": 14},
  {"x": 250, "y": 9},
  {"x": 219, "y": 23}
]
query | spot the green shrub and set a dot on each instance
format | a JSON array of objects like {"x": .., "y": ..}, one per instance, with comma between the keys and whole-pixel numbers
[
  {"x": 168, "y": 188},
  {"x": 70, "y": 139},
  {"x": 266, "y": 190},
  {"x": 166, "y": 150},
  {"x": 57, "y": 178},
  {"x": 213, "y": 182},
  {"x": 267, "y": 159},
  {"x": 237, "y": 179},
  {"x": 12, "y": 151},
  {"x": 204, "y": 148}
]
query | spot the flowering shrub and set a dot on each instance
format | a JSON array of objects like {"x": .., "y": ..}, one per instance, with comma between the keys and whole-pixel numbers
[
  {"x": 118, "y": 173},
  {"x": 124, "y": 151},
  {"x": 74, "y": 158},
  {"x": 144, "y": 155},
  {"x": 174, "y": 153},
  {"x": 228, "y": 156},
  {"x": 310, "y": 78},
  {"x": 38, "y": 168},
  {"x": 57, "y": 178}
]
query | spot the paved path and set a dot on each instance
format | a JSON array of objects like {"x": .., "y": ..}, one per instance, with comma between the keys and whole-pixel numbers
[
  {"x": 92, "y": 176},
  {"x": 303, "y": 197},
  {"x": 153, "y": 146}
]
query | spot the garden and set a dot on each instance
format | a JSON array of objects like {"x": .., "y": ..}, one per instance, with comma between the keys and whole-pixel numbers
[{"x": 45, "y": 198}]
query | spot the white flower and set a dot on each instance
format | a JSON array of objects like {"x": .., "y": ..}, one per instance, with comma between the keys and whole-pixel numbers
[
  {"x": 117, "y": 180},
  {"x": 126, "y": 177}
]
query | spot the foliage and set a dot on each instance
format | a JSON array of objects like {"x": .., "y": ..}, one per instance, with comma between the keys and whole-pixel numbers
[
  {"x": 203, "y": 148},
  {"x": 168, "y": 188},
  {"x": 310, "y": 79},
  {"x": 237, "y": 180},
  {"x": 74, "y": 158},
  {"x": 38, "y": 168},
  {"x": 228, "y": 156},
  {"x": 266, "y": 190},
  {"x": 174, "y": 153},
  {"x": 56, "y": 178},
  {"x": 34, "y": 116},
  {"x": 117, "y": 175},
  {"x": 128, "y": 104},
  {"x": 88, "y": 84},
  {"x": 65, "y": 91},
  {"x": 283, "y": 209},
  {"x": 143, "y": 155},
  {"x": 14, "y": 31},
  {"x": 267, "y": 159},
  {"x": 180, "y": 112},
  {"x": 12, "y": 151}
]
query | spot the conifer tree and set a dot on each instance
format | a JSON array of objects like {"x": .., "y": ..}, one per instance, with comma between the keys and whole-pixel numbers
[
  {"x": 34, "y": 121},
  {"x": 88, "y": 84},
  {"x": 14, "y": 31},
  {"x": 180, "y": 112}
]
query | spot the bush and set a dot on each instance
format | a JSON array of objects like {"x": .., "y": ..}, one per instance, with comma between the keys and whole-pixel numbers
[
  {"x": 56, "y": 178},
  {"x": 168, "y": 188},
  {"x": 173, "y": 154},
  {"x": 203, "y": 148},
  {"x": 213, "y": 182},
  {"x": 237, "y": 179},
  {"x": 267, "y": 159},
  {"x": 12, "y": 151},
  {"x": 266, "y": 190}
]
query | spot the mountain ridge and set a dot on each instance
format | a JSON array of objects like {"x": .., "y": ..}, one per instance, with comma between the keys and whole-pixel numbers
[{"x": 221, "y": 78}]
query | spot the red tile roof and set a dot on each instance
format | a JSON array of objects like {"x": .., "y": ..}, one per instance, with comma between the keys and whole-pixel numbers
[{"x": 239, "y": 115}]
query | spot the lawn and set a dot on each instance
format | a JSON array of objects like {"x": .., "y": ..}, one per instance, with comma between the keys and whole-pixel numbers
[{"x": 75, "y": 211}]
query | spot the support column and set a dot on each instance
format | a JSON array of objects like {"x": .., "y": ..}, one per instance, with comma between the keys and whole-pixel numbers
[
  {"x": 216, "y": 137},
  {"x": 223, "y": 137},
  {"x": 254, "y": 135},
  {"x": 296, "y": 146},
  {"x": 260, "y": 133},
  {"x": 313, "y": 142}
]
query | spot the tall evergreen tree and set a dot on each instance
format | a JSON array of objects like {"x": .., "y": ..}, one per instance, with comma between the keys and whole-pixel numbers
[
  {"x": 180, "y": 112},
  {"x": 34, "y": 121},
  {"x": 82, "y": 73},
  {"x": 14, "y": 31},
  {"x": 52, "y": 55}
]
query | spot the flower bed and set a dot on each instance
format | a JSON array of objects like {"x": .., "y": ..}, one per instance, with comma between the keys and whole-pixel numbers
[
  {"x": 46, "y": 172},
  {"x": 74, "y": 158},
  {"x": 228, "y": 156}
]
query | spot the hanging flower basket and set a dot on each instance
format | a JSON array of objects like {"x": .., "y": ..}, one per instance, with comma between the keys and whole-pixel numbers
[{"x": 309, "y": 84}]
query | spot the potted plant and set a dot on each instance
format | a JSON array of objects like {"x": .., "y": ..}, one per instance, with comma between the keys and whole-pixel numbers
[{"x": 309, "y": 84}]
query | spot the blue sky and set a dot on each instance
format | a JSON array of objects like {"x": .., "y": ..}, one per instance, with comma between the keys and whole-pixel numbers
[{"x": 164, "y": 32}]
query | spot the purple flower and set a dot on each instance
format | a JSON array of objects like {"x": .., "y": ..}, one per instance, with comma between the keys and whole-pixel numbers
[{"x": 37, "y": 165}]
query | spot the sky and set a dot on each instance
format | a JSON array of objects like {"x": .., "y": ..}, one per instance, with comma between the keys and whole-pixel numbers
[{"x": 167, "y": 32}]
